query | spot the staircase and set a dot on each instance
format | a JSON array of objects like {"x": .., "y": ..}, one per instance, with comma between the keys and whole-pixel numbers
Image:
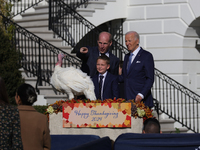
[
  {"x": 37, "y": 23},
  {"x": 168, "y": 125}
]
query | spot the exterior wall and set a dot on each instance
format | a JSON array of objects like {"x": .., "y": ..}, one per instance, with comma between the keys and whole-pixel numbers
[{"x": 166, "y": 29}]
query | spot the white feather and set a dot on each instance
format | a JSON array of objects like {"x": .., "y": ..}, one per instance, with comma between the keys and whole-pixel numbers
[{"x": 73, "y": 81}]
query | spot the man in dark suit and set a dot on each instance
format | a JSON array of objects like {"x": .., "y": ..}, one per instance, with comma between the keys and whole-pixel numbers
[
  {"x": 89, "y": 55},
  {"x": 138, "y": 71},
  {"x": 107, "y": 88}
]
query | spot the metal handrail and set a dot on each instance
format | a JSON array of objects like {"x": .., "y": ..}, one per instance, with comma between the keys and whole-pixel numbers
[
  {"x": 74, "y": 4},
  {"x": 75, "y": 29},
  {"x": 38, "y": 57},
  {"x": 177, "y": 101},
  {"x": 20, "y": 6}
]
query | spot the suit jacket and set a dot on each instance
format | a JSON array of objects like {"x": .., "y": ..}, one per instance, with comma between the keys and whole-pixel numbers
[
  {"x": 34, "y": 129},
  {"x": 140, "y": 77},
  {"x": 10, "y": 135},
  {"x": 110, "y": 87},
  {"x": 89, "y": 61}
]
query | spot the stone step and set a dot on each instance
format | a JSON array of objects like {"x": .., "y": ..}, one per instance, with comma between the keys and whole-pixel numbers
[
  {"x": 38, "y": 18},
  {"x": 23, "y": 73},
  {"x": 34, "y": 23},
  {"x": 43, "y": 21},
  {"x": 175, "y": 101},
  {"x": 173, "y": 130},
  {"x": 44, "y": 29},
  {"x": 39, "y": 28},
  {"x": 53, "y": 98},
  {"x": 44, "y": 58},
  {"x": 49, "y": 90},
  {"x": 34, "y": 15},
  {"x": 166, "y": 123},
  {"x": 163, "y": 116},
  {"x": 30, "y": 80},
  {"x": 55, "y": 42},
  {"x": 35, "y": 50},
  {"x": 29, "y": 19},
  {"x": 85, "y": 12},
  {"x": 96, "y": 4},
  {"x": 44, "y": 34},
  {"x": 42, "y": 8},
  {"x": 46, "y": 68}
]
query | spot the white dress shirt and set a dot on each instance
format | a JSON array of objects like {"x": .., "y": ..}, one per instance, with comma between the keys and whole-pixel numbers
[
  {"x": 135, "y": 52},
  {"x": 107, "y": 53}
]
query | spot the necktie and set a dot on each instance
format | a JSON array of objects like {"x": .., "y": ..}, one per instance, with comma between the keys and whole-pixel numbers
[
  {"x": 129, "y": 62},
  {"x": 100, "y": 86},
  {"x": 103, "y": 54}
]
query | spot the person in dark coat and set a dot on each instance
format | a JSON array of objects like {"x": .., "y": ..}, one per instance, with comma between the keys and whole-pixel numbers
[
  {"x": 89, "y": 55},
  {"x": 34, "y": 125},
  {"x": 138, "y": 71},
  {"x": 108, "y": 88},
  {"x": 10, "y": 133}
]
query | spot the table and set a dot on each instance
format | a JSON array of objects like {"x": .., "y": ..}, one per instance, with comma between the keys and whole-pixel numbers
[{"x": 56, "y": 127}]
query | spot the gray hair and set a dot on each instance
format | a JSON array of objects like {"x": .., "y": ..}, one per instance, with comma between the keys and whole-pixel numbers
[{"x": 135, "y": 34}]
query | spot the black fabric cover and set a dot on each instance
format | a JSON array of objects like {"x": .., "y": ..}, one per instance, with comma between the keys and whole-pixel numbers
[
  {"x": 133, "y": 141},
  {"x": 65, "y": 142},
  {"x": 99, "y": 144}
]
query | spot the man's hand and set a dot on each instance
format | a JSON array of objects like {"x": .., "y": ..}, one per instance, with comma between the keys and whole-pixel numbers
[
  {"x": 138, "y": 98},
  {"x": 83, "y": 50}
]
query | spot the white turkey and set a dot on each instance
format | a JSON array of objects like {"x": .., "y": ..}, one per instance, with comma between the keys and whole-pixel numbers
[{"x": 72, "y": 81}]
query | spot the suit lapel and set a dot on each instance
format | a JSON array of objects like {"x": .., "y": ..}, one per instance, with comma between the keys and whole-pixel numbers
[
  {"x": 96, "y": 84},
  {"x": 110, "y": 55},
  {"x": 125, "y": 64},
  {"x": 106, "y": 80},
  {"x": 105, "y": 83}
]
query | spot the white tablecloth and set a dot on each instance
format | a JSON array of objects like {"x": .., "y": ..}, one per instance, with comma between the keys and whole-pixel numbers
[{"x": 56, "y": 127}]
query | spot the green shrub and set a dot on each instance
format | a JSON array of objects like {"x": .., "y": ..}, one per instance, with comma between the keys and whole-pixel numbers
[
  {"x": 9, "y": 57},
  {"x": 41, "y": 109},
  {"x": 9, "y": 65}
]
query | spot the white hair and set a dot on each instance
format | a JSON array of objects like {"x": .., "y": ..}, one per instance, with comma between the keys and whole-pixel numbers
[{"x": 135, "y": 34}]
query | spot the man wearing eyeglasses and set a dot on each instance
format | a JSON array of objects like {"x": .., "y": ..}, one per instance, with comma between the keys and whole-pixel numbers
[{"x": 89, "y": 55}]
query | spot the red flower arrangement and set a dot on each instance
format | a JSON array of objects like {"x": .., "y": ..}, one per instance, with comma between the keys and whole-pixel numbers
[{"x": 138, "y": 109}]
